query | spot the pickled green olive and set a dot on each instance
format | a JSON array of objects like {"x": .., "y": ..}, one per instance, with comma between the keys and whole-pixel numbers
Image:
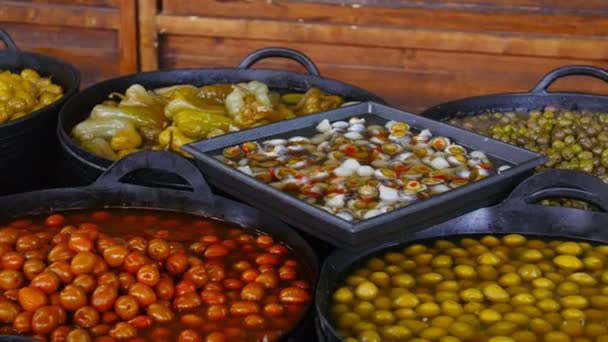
[
  {"x": 493, "y": 289},
  {"x": 576, "y": 140}
]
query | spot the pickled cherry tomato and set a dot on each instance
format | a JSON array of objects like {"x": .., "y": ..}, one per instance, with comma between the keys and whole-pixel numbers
[
  {"x": 160, "y": 313},
  {"x": 23, "y": 322},
  {"x": 10, "y": 279},
  {"x": 189, "y": 335},
  {"x": 165, "y": 289},
  {"x": 86, "y": 317},
  {"x": 80, "y": 242},
  {"x": 115, "y": 255},
  {"x": 78, "y": 335},
  {"x": 187, "y": 301},
  {"x": 134, "y": 260},
  {"x": 107, "y": 275},
  {"x": 63, "y": 270},
  {"x": 31, "y": 298},
  {"x": 28, "y": 242},
  {"x": 177, "y": 263},
  {"x": 141, "y": 322},
  {"x": 103, "y": 297},
  {"x": 158, "y": 249},
  {"x": 55, "y": 220},
  {"x": 143, "y": 294},
  {"x": 83, "y": 262},
  {"x": 44, "y": 320},
  {"x": 8, "y": 311},
  {"x": 87, "y": 282},
  {"x": 148, "y": 274},
  {"x": 13, "y": 261},
  {"x": 126, "y": 307},
  {"x": 31, "y": 268},
  {"x": 73, "y": 297}
]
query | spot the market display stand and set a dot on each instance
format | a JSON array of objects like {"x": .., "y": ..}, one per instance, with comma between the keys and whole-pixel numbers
[{"x": 432, "y": 51}]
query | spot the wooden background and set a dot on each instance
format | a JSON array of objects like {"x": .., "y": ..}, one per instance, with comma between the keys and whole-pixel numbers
[{"x": 413, "y": 53}]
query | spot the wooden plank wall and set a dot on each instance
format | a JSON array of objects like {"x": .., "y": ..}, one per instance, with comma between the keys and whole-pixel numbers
[
  {"x": 97, "y": 36},
  {"x": 413, "y": 53}
]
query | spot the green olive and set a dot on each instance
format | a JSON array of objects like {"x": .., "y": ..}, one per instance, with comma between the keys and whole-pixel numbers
[
  {"x": 344, "y": 295},
  {"x": 570, "y": 139},
  {"x": 505, "y": 288},
  {"x": 366, "y": 290},
  {"x": 380, "y": 278}
]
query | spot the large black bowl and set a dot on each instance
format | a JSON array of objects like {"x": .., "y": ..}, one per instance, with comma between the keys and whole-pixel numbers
[
  {"x": 29, "y": 146},
  {"x": 110, "y": 191},
  {"x": 537, "y": 98},
  {"x": 519, "y": 213}
]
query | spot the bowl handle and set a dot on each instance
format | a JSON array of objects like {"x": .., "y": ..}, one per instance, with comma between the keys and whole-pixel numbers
[
  {"x": 169, "y": 162},
  {"x": 554, "y": 75},
  {"x": 8, "y": 41},
  {"x": 270, "y": 52},
  {"x": 559, "y": 183}
]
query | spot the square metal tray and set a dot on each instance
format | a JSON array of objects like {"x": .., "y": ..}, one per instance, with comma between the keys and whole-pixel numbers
[{"x": 381, "y": 228}]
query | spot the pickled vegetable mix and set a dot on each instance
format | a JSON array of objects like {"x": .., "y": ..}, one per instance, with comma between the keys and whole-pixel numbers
[
  {"x": 25, "y": 92},
  {"x": 357, "y": 170},
  {"x": 168, "y": 118},
  {"x": 495, "y": 289},
  {"x": 127, "y": 275}
]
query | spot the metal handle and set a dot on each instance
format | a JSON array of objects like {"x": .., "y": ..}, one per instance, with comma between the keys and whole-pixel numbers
[
  {"x": 560, "y": 183},
  {"x": 165, "y": 161},
  {"x": 569, "y": 70},
  {"x": 8, "y": 41},
  {"x": 270, "y": 52}
]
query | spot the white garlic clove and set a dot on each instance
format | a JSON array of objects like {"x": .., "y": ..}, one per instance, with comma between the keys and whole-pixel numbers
[
  {"x": 353, "y": 135},
  {"x": 340, "y": 124},
  {"x": 388, "y": 194},
  {"x": 336, "y": 201},
  {"x": 372, "y": 213},
  {"x": 351, "y": 163},
  {"x": 478, "y": 155},
  {"x": 365, "y": 171},
  {"x": 356, "y": 128},
  {"x": 323, "y": 126},
  {"x": 275, "y": 142},
  {"x": 440, "y": 163},
  {"x": 342, "y": 171},
  {"x": 356, "y": 121}
]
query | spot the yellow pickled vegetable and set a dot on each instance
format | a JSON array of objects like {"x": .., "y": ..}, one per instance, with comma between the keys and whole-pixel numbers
[
  {"x": 127, "y": 139},
  {"x": 168, "y": 117},
  {"x": 197, "y": 125},
  {"x": 173, "y": 139}
]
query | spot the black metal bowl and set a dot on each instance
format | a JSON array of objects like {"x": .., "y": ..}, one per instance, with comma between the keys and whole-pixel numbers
[
  {"x": 375, "y": 230},
  {"x": 28, "y": 146},
  {"x": 537, "y": 98},
  {"x": 519, "y": 213},
  {"x": 110, "y": 191},
  {"x": 83, "y": 167}
]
